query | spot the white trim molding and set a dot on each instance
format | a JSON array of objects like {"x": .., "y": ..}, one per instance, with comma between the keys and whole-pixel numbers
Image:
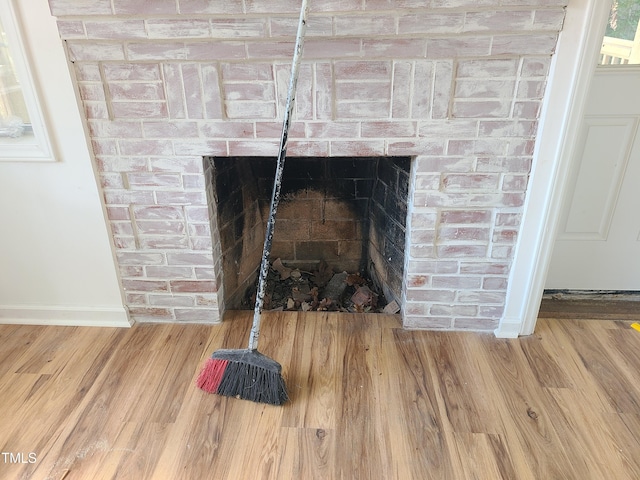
[
  {"x": 64, "y": 316},
  {"x": 569, "y": 80}
]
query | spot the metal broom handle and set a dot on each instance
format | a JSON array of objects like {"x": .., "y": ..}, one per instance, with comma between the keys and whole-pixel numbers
[{"x": 277, "y": 183}]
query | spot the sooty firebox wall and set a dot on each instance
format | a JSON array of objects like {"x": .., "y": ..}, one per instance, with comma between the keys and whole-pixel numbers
[{"x": 349, "y": 212}]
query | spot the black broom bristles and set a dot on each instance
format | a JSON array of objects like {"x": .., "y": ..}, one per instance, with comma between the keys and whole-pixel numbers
[{"x": 245, "y": 374}]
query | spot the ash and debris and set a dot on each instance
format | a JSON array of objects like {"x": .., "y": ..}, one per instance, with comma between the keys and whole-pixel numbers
[{"x": 320, "y": 290}]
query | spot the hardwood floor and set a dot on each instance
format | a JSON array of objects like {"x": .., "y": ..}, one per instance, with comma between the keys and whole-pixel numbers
[{"x": 368, "y": 401}]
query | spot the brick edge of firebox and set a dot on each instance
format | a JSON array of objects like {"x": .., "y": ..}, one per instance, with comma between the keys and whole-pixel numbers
[{"x": 458, "y": 87}]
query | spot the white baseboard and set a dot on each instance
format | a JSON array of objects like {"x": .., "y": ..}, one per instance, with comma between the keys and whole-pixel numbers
[
  {"x": 509, "y": 328},
  {"x": 64, "y": 316}
]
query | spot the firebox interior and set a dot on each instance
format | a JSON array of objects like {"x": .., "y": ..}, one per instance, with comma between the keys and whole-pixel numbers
[{"x": 349, "y": 212}]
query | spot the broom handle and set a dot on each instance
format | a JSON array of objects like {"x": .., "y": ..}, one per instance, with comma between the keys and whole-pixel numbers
[{"x": 277, "y": 183}]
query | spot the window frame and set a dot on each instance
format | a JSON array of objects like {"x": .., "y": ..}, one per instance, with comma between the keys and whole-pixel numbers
[{"x": 40, "y": 148}]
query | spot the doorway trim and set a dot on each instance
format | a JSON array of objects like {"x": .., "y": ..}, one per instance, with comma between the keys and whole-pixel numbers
[{"x": 570, "y": 76}]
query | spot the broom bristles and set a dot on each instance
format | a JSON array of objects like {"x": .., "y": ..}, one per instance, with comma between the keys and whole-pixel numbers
[
  {"x": 211, "y": 375},
  {"x": 245, "y": 374}
]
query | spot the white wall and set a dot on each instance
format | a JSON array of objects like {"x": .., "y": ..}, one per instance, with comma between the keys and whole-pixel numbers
[{"x": 56, "y": 261}]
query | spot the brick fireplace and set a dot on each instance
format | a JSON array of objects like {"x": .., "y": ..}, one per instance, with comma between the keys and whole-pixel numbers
[{"x": 454, "y": 86}]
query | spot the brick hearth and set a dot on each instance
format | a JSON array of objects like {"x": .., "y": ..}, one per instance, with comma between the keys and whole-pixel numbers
[{"x": 457, "y": 85}]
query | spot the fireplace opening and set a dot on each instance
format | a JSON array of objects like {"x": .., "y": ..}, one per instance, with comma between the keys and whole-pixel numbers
[{"x": 336, "y": 214}]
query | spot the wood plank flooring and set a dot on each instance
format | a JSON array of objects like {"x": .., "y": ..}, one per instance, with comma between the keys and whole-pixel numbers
[{"x": 369, "y": 400}]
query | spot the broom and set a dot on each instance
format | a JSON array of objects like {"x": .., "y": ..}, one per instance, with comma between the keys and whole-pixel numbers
[{"x": 248, "y": 374}]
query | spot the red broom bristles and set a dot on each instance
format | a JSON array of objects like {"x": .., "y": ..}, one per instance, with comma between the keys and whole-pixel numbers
[{"x": 211, "y": 375}]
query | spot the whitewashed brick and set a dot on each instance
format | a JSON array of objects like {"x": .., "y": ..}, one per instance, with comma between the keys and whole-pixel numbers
[
  {"x": 71, "y": 29},
  {"x": 210, "y": 96},
  {"x": 430, "y": 295},
  {"x": 432, "y": 266},
  {"x": 323, "y": 48},
  {"x": 171, "y": 300},
  {"x": 484, "y": 88},
  {"x": 415, "y": 147},
  {"x": 190, "y": 258},
  {"x": 503, "y": 164},
  {"x": 442, "y": 89},
  {"x": 88, "y": 72},
  {"x": 180, "y": 198},
  {"x": 156, "y": 51},
  {"x": 453, "y": 310},
  {"x": 364, "y": 24},
  {"x": 115, "y": 29},
  {"x": 422, "y": 84},
  {"x": 143, "y": 7},
  {"x": 208, "y": 315},
  {"x": 395, "y": 48},
  {"x": 205, "y": 273},
  {"x": 321, "y": 26},
  {"x": 145, "y": 147},
  {"x": 243, "y": 110},
  {"x": 506, "y": 20},
  {"x": 140, "y": 285},
  {"x": 104, "y": 146},
  {"x": 115, "y": 129},
  {"x": 253, "y": 148},
  {"x": 475, "y": 324},
  {"x": 60, "y": 8},
  {"x": 111, "y": 180},
  {"x": 208, "y": 7},
  {"x": 508, "y": 128},
  {"x": 530, "y": 89},
  {"x": 121, "y": 164},
  {"x": 135, "y": 110},
  {"x": 495, "y": 268},
  {"x": 128, "y": 197},
  {"x": 175, "y": 89},
  {"x": 535, "y": 67},
  {"x": 302, "y": 148},
  {"x": 515, "y": 183},
  {"x": 82, "y": 52},
  {"x": 401, "y": 90},
  {"x": 163, "y": 242},
  {"x": 122, "y": 91},
  {"x": 170, "y": 129},
  {"x": 551, "y": 19},
  {"x": 160, "y": 227},
  {"x": 470, "y": 182},
  {"x": 239, "y": 28},
  {"x": 428, "y": 323},
  {"x": 477, "y": 147},
  {"x": 136, "y": 298},
  {"x": 459, "y": 47},
  {"x": 357, "y": 148},
  {"x": 481, "y": 109},
  {"x": 118, "y": 213},
  {"x": 157, "y": 212},
  {"x": 192, "y": 28},
  {"x": 488, "y": 68},
  {"x": 324, "y": 91},
  {"x": 152, "y": 314},
  {"x": 169, "y": 272},
  {"x": 274, "y": 130},
  {"x": 523, "y": 44},
  {"x": 431, "y": 23},
  {"x": 377, "y": 78},
  {"x": 178, "y": 163},
  {"x": 199, "y": 147}
]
